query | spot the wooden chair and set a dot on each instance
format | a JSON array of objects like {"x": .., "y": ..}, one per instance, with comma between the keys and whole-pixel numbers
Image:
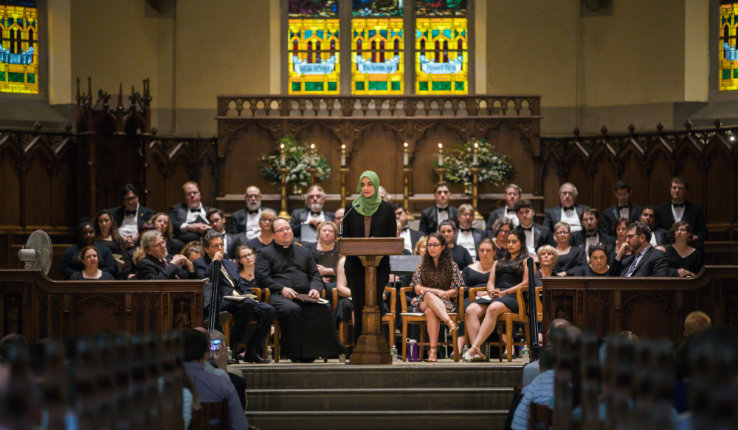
[
  {"x": 211, "y": 416},
  {"x": 541, "y": 417},
  {"x": 276, "y": 337},
  {"x": 388, "y": 318},
  {"x": 226, "y": 319},
  {"x": 509, "y": 318},
  {"x": 420, "y": 319}
]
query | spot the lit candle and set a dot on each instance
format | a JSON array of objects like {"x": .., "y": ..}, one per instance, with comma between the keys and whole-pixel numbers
[
  {"x": 343, "y": 155},
  {"x": 475, "y": 158},
  {"x": 281, "y": 155},
  {"x": 440, "y": 154},
  {"x": 312, "y": 154},
  {"x": 405, "y": 157}
]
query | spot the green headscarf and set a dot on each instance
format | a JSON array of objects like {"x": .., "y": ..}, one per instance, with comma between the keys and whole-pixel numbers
[{"x": 368, "y": 205}]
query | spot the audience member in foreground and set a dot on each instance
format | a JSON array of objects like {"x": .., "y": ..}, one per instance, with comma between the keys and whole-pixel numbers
[
  {"x": 88, "y": 257},
  {"x": 507, "y": 277},
  {"x": 236, "y": 298},
  {"x": 539, "y": 391},
  {"x": 367, "y": 216},
  {"x": 211, "y": 388},
  {"x": 436, "y": 281},
  {"x": 288, "y": 269},
  {"x": 645, "y": 261},
  {"x": 70, "y": 262}
]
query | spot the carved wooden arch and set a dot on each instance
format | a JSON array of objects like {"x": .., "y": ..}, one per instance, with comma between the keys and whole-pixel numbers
[
  {"x": 573, "y": 153},
  {"x": 102, "y": 121},
  {"x": 132, "y": 122},
  {"x": 731, "y": 148},
  {"x": 361, "y": 131},
  {"x": 523, "y": 129},
  {"x": 226, "y": 141},
  {"x": 304, "y": 127},
  {"x": 601, "y": 154}
]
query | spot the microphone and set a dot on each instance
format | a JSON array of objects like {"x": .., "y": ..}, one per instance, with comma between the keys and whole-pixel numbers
[{"x": 340, "y": 227}]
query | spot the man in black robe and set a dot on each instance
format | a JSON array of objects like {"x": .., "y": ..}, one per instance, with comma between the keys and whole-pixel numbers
[{"x": 289, "y": 269}]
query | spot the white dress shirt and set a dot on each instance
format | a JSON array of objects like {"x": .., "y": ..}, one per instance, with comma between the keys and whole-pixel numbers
[
  {"x": 252, "y": 224},
  {"x": 129, "y": 226},
  {"x": 570, "y": 217},
  {"x": 466, "y": 240}
]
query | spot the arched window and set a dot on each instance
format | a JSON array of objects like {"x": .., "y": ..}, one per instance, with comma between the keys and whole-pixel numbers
[
  {"x": 19, "y": 51},
  {"x": 728, "y": 53},
  {"x": 313, "y": 26}
]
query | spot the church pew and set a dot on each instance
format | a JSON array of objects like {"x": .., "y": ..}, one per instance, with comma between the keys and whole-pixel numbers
[
  {"x": 37, "y": 307},
  {"x": 649, "y": 307}
]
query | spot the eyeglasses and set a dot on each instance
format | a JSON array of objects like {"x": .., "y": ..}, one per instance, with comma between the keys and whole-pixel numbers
[
  {"x": 567, "y": 193},
  {"x": 192, "y": 193},
  {"x": 250, "y": 254},
  {"x": 283, "y": 230},
  {"x": 630, "y": 236},
  {"x": 433, "y": 245}
]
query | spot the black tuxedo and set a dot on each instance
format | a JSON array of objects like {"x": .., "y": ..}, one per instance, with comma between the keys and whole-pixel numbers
[
  {"x": 541, "y": 236},
  {"x": 553, "y": 215},
  {"x": 414, "y": 236},
  {"x": 693, "y": 214},
  {"x": 383, "y": 224},
  {"x": 151, "y": 268},
  {"x": 477, "y": 235},
  {"x": 653, "y": 263},
  {"x": 611, "y": 215},
  {"x": 494, "y": 215},
  {"x": 580, "y": 238},
  {"x": 242, "y": 311},
  {"x": 299, "y": 216},
  {"x": 662, "y": 236},
  {"x": 239, "y": 220},
  {"x": 144, "y": 215},
  {"x": 177, "y": 216},
  {"x": 429, "y": 219}
]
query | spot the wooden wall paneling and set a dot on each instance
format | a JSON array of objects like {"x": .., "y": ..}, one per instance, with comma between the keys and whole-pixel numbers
[
  {"x": 241, "y": 153},
  {"x": 38, "y": 194},
  {"x": 157, "y": 178},
  {"x": 508, "y": 139},
  {"x": 603, "y": 172},
  {"x": 205, "y": 164},
  {"x": 64, "y": 193},
  {"x": 376, "y": 149},
  {"x": 630, "y": 162},
  {"x": 658, "y": 171},
  {"x": 689, "y": 164},
  {"x": 426, "y": 153},
  {"x": 10, "y": 198},
  {"x": 719, "y": 187},
  {"x": 579, "y": 176},
  {"x": 118, "y": 162}
]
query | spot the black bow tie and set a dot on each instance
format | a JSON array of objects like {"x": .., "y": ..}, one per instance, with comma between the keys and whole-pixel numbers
[
  {"x": 568, "y": 208},
  {"x": 677, "y": 205},
  {"x": 526, "y": 228},
  {"x": 314, "y": 213},
  {"x": 591, "y": 234},
  {"x": 131, "y": 213},
  {"x": 443, "y": 209},
  {"x": 195, "y": 210},
  {"x": 623, "y": 207},
  {"x": 405, "y": 229},
  {"x": 254, "y": 212},
  {"x": 508, "y": 210},
  {"x": 466, "y": 229}
]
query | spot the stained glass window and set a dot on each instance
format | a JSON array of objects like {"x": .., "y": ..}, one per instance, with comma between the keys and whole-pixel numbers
[
  {"x": 441, "y": 49},
  {"x": 19, "y": 47},
  {"x": 377, "y": 47},
  {"x": 313, "y": 47},
  {"x": 728, "y": 53}
]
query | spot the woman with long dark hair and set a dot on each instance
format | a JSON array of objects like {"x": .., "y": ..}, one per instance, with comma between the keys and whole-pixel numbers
[
  {"x": 436, "y": 281},
  {"x": 367, "y": 216},
  {"x": 507, "y": 276}
]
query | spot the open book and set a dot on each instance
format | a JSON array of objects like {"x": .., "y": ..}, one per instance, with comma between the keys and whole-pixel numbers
[
  {"x": 241, "y": 297},
  {"x": 307, "y": 299}
]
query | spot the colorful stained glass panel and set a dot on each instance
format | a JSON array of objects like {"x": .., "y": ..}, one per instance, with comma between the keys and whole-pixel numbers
[
  {"x": 728, "y": 50},
  {"x": 376, "y": 8},
  {"x": 441, "y": 56},
  {"x": 313, "y": 8},
  {"x": 313, "y": 52},
  {"x": 440, "y": 8},
  {"x": 377, "y": 55},
  {"x": 19, "y": 50}
]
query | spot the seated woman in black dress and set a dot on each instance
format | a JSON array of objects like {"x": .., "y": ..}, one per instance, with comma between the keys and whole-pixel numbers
[
  {"x": 459, "y": 254},
  {"x": 547, "y": 258},
  {"x": 325, "y": 252},
  {"x": 684, "y": 261},
  {"x": 500, "y": 229},
  {"x": 569, "y": 256},
  {"x": 477, "y": 275},
  {"x": 506, "y": 278},
  {"x": 106, "y": 234},
  {"x": 88, "y": 257},
  {"x": 436, "y": 281},
  {"x": 597, "y": 262},
  {"x": 266, "y": 236}
]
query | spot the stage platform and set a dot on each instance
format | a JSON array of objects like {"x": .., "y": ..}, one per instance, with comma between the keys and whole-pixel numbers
[{"x": 335, "y": 395}]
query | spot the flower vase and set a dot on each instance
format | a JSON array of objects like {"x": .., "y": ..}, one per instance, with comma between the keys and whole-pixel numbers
[{"x": 468, "y": 188}]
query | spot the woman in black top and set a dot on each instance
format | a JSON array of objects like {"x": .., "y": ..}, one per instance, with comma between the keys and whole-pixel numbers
[
  {"x": 91, "y": 272},
  {"x": 597, "y": 262},
  {"x": 500, "y": 229},
  {"x": 684, "y": 260},
  {"x": 367, "y": 216},
  {"x": 569, "y": 256},
  {"x": 460, "y": 255},
  {"x": 477, "y": 275}
]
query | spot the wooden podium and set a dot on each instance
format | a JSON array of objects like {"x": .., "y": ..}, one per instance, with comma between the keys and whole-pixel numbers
[{"x": 371, "y": 348}]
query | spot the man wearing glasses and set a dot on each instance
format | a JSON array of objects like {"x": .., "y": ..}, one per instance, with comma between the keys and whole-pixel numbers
[
  {"x": 288, "y": 269},
  {"x": 189, "y": 219},
  {"x": 568, "y": 211},
  {"x": 130, "y": 215},
  {"x": 246, "y": 220},
  {"x": 645, "y": 260}
]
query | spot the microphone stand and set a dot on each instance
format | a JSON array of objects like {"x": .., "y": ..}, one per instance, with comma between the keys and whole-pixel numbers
[
  {"x": 214, "y": 296},
  {"x": 532, "y": 312}
]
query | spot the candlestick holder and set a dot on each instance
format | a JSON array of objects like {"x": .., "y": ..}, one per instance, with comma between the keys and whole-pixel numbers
[
  {"x": 313, "y": 171},
  {"x": 440, "y": 171},
  {"x": 283, "y": 212},
  {"x": 475, "y": 192},
  {"x": 407, "y": 174},
  {"x": 343, "y": 172}
]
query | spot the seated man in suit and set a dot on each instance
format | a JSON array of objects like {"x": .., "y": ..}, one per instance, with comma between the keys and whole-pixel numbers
[
  {"x": 403, "y": 229},
  {"x": 288, "y": 269},
  {"x": 623, "y": 209},
  {"x": 645, "y": 260},
  {"x": 591, "y": 233},
  {"x": 512, "y": 196},
  {"x": 189, "y": 219},
  {"x": 433, "y": 216},
  {"x": 130, "y": 215},
  {"x": 230, "y": 283},
  {"x": 156, "y": 265},
  {"x": 217, "y": 221},
  {"x": 678, "y": 209},
  {"x": 659, "y": 236},
  {"x": 568, "y": 211},
  {"x": 536, "y": 235},
  {"x": 467, "y": 236},
  {"x": 246, "y": 220},
  {"x": 304, "y": 221}
]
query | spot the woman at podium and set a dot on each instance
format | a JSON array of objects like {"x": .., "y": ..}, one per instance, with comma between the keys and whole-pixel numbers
[{"x": 367, "y": 216}]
